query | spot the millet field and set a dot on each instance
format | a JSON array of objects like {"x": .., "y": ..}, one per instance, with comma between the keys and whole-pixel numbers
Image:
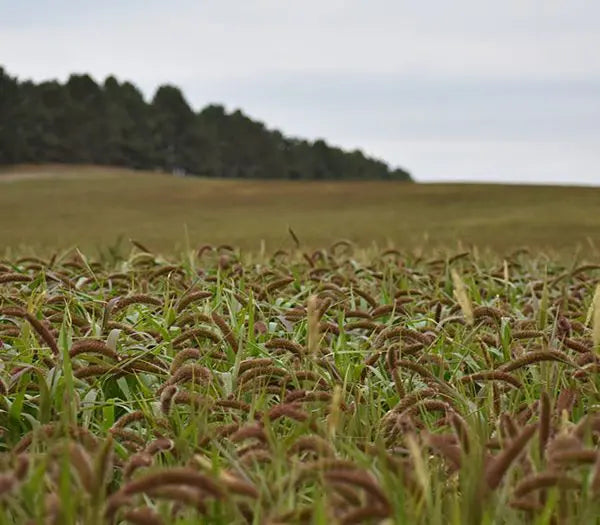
[{"x": 340, "y": 385}]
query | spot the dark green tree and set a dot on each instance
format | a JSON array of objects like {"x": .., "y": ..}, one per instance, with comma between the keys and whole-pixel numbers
[{"x": 110, "y": 123}]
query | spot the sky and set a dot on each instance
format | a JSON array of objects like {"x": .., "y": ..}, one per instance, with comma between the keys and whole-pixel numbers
[{"x": 451, "y": 90}]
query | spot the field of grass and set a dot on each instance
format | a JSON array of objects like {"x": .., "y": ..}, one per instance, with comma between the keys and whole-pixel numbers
[
  {"x": 335, "y": 386},
  {"x": 171, "y": 352},
  {"x": 52, "y": 207}
]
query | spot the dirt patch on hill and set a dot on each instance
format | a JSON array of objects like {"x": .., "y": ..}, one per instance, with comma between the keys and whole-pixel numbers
[{"x": 59, "y": 171}]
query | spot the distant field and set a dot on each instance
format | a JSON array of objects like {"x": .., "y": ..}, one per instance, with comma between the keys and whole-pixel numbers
[{"x": 49, "y": 207}]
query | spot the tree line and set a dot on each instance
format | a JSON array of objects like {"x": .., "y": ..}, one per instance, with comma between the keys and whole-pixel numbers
[{"x": 83, "y": 122}]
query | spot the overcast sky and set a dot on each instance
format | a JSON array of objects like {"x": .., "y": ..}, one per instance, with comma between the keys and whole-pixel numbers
[{"x": 448, "y": 89}]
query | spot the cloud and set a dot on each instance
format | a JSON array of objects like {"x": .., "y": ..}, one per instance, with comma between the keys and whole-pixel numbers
[
  {"x": 409, "y": 106},
  {"x": 522, "y": 161},
  {"x": 435, "y": 86},
  {"x": 215, "y": 39}
]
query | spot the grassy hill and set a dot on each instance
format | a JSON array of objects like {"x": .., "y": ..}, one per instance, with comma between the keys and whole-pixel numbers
[{"x": 51, "y": 207}]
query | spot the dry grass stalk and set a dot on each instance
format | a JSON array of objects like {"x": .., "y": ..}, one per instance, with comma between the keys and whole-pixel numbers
[
  {"x": 323, "y": 306},
  {"x": 526, "y": 504},
  {"x": 595, "y": 315},
  {"x": 545, "y": 480},
  {"x": 360, "y": 479},
  {"x": 129, "y": 418},
  {"x": 314, "y": 443},
  {"x": 344, "y": 495},
  {"x": 418, "y": 464},
  {"x": 278, "y": 284},
  {"x": 358, "y": 313},
  {"x": 166, "y": 397},
  {"x": 13, "y": 277},
  {"x": 313, "y": 332},
  {"x": 103, "y": 467},
  {"x": 148, "y": 364},
  {"x": 43, "y": 332},
  {"x": 291, "y": 410},
  {"x": 192, "y": 318},
  {"x": 566, "y": 400},
  {"x": 159, "y": 445},
  {"x": 124, "y": 302},
  {"x": 136, "y": 461},
  {"x": 285, "y": 344},
  {"x": 462, "y": 296},
  {"x": 143, "y": 516},
  {"x": 83, "y": 465},
  {"x": 398, "y": 384},
  {"x": 426, "y": 405},
  {"x": 328, "y": 327},
  {"x": 226, "y": 330},
  {"x": 300, "y": 376},
  {"x": 322, "y": 465},
  {"x": 404, "y": 333},
  {"x": 7, "y": 483},
  {"x": 191, "y": 297},
  {"x": 462, "y": 430},
  {"x": 95, "y": 370},
  {"x": 574, "y": 456},
  {"x": 182, "y": 356},
  {"x": 411, "y": 399},
  {"x": 10, "y": 331},
  {"x": 578, "y": 346},
  {"x": 383, "y": 310},
  {"x": 362, "y": 514},
  {"x": 363, "y": 324},
  {"x": 223, "y": 431},
  {"x": 196, "y": 374},
  {"x": 167, "y": 270},
  {"x": 200, "y": 332},
  {"x": 446, "y": 445},
  {"x": 416, "y": 368},
  {"x": 544, "y": 424},
  {"x": 140, "y": 246},
  {"x": 261, "y": 371},
  {"x": 93, "y": 346},
  {"x": 335, "y": 408},
  {"x": 172, "y": 476},
  {"x": 501, "y": 463},
  {"x": 367, "y": 297},
  {"x": 55, "y": 430},
  {"x": 247, "y": 364},
  {"x": 21, "y": 468},
  {"x": 250, "y": 447},
  {"x": 194, "y": 400},
  {"x": 251, "y": 431},
  {"x": 595, "y": 483},
  {"x": 128, "y": 435},
  {"x": 536, "y": 357},
  {"x": 562, "y": 442},
  {"x": 305, "y": 396},
  {"x": 507, "y": 425},
  {"x": 492, "y": 375},
  {"x": 488, "y": 311},
  {"x": 255, "y": 456},
  {"x": 234, "y": 404},
  {"x": 591, "y": 310},
  {"x": 527, "y": 334},
  {"x": 590, "y": 422},
  {"x": 184, "y": 495}
]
